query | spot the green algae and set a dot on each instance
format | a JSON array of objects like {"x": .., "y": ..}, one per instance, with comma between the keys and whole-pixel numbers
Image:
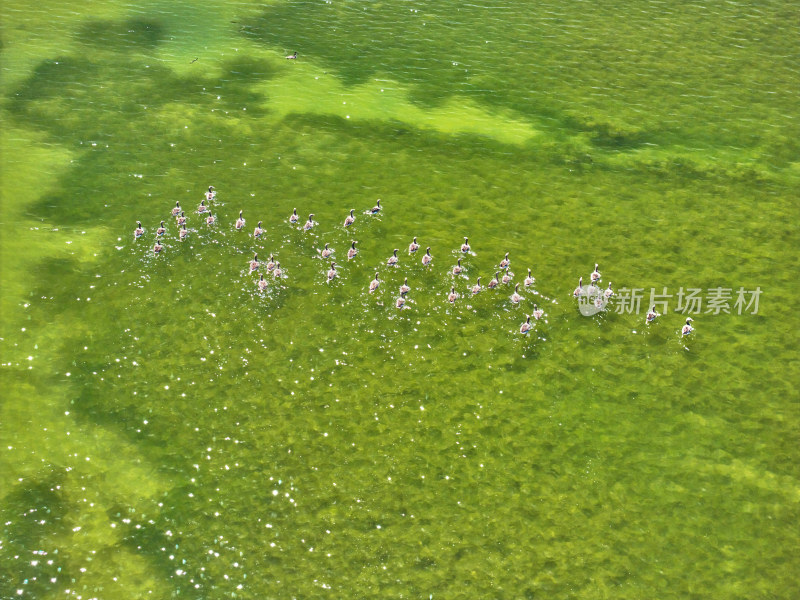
[{"x": 314, "y": 441}]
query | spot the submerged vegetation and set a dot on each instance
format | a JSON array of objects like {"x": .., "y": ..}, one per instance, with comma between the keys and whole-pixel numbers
[{"x": 169, "y": 431}]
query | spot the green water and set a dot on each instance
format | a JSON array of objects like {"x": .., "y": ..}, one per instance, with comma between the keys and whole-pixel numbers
[{"x": 168, "y": 431}]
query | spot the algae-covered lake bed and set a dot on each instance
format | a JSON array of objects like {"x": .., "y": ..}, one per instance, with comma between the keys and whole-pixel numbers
[{"x": 171, "y": 429}]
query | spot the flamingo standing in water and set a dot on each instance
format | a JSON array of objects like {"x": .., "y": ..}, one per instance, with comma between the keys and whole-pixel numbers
[
  {"x": 426, "y": 260},
  {"x": 526, "y": 326},
  {"x": 373, "y": 285},
  {"x": 537, "y": 312},
  {"x": 401, "y": 301},
  {"x": 529, "y": 279},
  {"x": 515, "y": 297},
  {"x": 687, "y": 329},
  {"x": 595, "y": 274},
  {"x": 579, "y": 291},
  {"x": 476, "y": 289}
]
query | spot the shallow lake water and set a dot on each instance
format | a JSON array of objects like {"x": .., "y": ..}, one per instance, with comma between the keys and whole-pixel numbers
[{"x": 171, "y": 430}]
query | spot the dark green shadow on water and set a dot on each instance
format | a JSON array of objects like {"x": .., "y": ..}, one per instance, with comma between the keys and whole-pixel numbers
[
  {"x": 626, "y": 79},
  {"x": 132, "y": 35},
  {"x": 33, "y": 513}
]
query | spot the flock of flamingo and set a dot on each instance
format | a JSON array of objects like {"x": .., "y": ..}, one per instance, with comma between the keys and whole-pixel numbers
[{"x": 590, "y": 293}]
